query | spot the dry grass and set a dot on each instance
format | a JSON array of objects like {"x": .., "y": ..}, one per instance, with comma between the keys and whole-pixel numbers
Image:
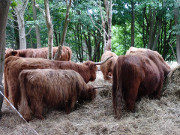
[{"x": 152, "y": 117}]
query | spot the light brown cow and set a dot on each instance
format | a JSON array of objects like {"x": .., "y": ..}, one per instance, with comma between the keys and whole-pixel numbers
[
  {"x": 137, "y": 74},
  {"x": 40, "y": 53},
  {"x": 14, "y": 65},
  {"x": 107, "y": 68},
  {"x": 53, "y": 89}
]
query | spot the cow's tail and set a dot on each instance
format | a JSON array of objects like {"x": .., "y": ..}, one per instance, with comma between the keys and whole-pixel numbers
[
  {"x": 117, "y": 87},
  {"x": 24, "y": 106}
]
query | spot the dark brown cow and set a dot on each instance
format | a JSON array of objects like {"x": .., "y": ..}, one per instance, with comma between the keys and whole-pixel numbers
[
  {"x": 14, "y": 65},
  {"x": 52, "y": 88},
  {"x": 40, "y": 53},
  {"x": 107, "y": 68},
  {"x": 135, "y": 75},
  {"x": 153, "y": 55}
]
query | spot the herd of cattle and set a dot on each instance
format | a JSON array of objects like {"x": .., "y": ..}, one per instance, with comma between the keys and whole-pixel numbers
[{"x": 32, "y": 82}]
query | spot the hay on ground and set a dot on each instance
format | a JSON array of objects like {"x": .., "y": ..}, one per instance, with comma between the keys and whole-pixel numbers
[{"x": 152, "y": 117}]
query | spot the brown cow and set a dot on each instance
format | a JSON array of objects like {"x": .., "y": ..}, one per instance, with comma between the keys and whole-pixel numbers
[
  {"x": 107, "y": 68},
  {"x": 14, "y": 65},
  {"x": 135, "y": 75},
  {"x": 40, "y": 53},
  {"x": 153, "y": 55},
  {"x": 52, "y": 88}
]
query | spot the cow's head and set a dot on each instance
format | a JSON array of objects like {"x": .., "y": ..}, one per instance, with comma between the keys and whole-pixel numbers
[
  {"x": 10, "y": 52},
  {"x": 93, "y": 67}
]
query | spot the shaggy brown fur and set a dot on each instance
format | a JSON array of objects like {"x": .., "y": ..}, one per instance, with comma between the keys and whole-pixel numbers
[
  {"x": 135, "y": 75},
  {"x": 153, "y": 55},
  {"x": 40, "y": 53},
  {"x": 14, "y": 65},
  {"x": 52, "y": 88},
  {"x": 107, "y": 68}
]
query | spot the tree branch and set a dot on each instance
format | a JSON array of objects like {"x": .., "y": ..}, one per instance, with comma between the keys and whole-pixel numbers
[
  {"x": 29, "y": 31},
  {"x": 95, "y": 24},
  {"x": 25, "y": 5},
  {"x": 173, "y": 53},
  {"x": 40, "y": 9}
]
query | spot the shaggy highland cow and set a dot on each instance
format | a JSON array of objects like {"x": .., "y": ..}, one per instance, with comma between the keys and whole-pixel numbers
[
  {"x": 40, "y": 53},
  {"x": 107, "y": 68},
  {"x": 52, "y": 88},
  {"x": 14, "y": 65},
  {"x": 135, "y": 75},
  {"x": 153, "y": 55}
]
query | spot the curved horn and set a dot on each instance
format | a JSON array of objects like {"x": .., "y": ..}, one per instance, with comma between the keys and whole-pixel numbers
[
  {"x": 102, "y": 62},
  {"x": 97, "y": 87}
]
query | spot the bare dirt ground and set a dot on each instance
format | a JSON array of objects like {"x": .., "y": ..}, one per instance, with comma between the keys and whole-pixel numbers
[{"x": 152, "y": 117}]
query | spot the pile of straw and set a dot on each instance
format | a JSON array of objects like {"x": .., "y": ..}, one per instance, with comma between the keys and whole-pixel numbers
[{"x": 152, "y": 117}]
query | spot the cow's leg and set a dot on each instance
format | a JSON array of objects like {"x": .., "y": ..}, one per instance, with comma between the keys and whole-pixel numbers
[
  {"x": 26, "y": 113},
  {"x": 37, "y": 107},
  {"x": 25, "y": 109},
  {"x": 130, "y": 95},
  {"x": 74, "y": 99},
  {"x": 157, "y": 93},
  {"x": 13, "y": 94},
  {"x": 32, "y": 107},
  {"x": 69, "y": 106},
  {"x": 105, "y": 75}
]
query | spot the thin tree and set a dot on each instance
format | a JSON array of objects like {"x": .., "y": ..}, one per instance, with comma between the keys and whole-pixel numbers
[
  {"x": 4, "y": 8},
  {"x": 176, "y": 15},
  {"x": 50, "y": 29},
  {"x": 108, "y": 9},
  {"x": 66, "y": 22},
  {"x": 19, "y": 11},
  {"x": 105, "y": 21},
  {"x": 37, "y": 26},
  {"x": 132, "y": 22}
]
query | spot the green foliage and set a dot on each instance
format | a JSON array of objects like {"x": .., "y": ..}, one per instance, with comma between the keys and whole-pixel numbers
[
  {"x": 13, "y": 3},
  {"x": 81, "y": 25}
]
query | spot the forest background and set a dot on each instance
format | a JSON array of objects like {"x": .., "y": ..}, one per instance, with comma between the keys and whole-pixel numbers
[
  {"x": 89, "y": 27},
  {"x": 152, "y": 24}
]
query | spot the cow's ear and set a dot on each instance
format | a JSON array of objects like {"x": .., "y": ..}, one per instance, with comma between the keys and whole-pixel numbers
[
  {"x": 14, "y": 53},
  {"x": 87, "y": 63}
]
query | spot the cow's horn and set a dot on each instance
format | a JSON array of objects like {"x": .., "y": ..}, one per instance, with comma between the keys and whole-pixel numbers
[
  {"x": 102, "y": 62},
  {"x": 97, "y": 87}
]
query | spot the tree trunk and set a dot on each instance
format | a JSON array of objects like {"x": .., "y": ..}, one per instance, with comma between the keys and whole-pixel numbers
[
  {"x": 56, "y": 37},
  {"x": 4, "y": 8},
  {"x": 157, "y": 33},
  {"x": 103, "y": 26},
  {"x": 165, "y": 40},
  {"x": 88, "y": 43},
  {"x": 79, "y": 42},
  {"x": 108, "y": 9},
  {"x": 37, "y": 26},
  {"x": 58, "y": 53},
  {"x": 151, "y": 25},
  {"x": 97, "y": 41},
  {"x": 50, "y": 30},
  {"x": 176, "y": 15},
  {"x": 16, "y": 32},
  {"x": 144, "y": 41},
  {"x": 19, "y": 11},
  {"x": 132, "y": 23}
]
